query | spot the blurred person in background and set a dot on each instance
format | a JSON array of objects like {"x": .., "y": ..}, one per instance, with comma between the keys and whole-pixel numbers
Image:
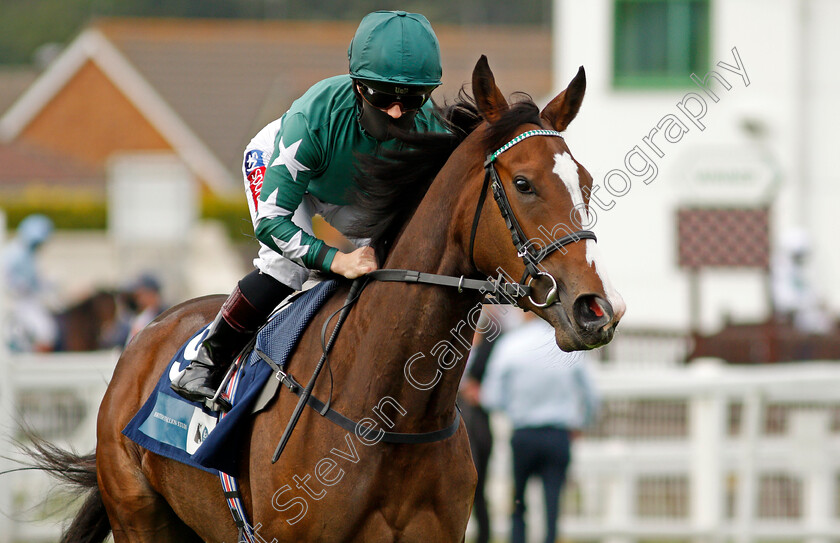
[
  {"x": 31, "y": 324},
  {"x": 477, "y": 421},
  {"x": 145, "y": 301},
  {"x": 304, "y": 163},
  {"x": 794, "y": 300},
  {"x": 548, "y": 396}
]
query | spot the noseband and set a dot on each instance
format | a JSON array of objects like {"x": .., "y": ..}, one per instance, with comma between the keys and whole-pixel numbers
[{"x": 530, "y": 257}]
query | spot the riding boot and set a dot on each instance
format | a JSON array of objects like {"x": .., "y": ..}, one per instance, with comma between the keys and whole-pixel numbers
[
  {"x": 234, "y": 326},
  {"x": 203, "y": 376}
]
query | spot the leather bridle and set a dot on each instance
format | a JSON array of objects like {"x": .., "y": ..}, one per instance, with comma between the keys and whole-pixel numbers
[{"x": 530, "y": 256}]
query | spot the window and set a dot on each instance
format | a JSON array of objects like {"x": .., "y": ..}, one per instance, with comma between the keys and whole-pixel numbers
[{"x": 659, "y": 43}]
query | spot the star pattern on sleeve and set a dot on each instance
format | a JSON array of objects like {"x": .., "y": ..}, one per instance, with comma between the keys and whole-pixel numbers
[{"x": 286, "y": 157}]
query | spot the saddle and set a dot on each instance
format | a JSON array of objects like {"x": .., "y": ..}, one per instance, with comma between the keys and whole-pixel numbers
[{"x": 195, "y": 434}]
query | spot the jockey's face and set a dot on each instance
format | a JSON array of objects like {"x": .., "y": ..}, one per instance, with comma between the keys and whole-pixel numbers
[
  {"x": 386, "y": 101},
  {"x": 381, "y": 112},
  {"x": 395, "y": 111}
]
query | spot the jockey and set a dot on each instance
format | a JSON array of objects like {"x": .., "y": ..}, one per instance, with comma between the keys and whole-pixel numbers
[{"x": 303, "y": 164}]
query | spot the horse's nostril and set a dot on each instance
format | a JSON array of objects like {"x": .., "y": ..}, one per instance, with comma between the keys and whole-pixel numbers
[
  {"x": 592, "y": 312},
  {"x": 595, "y": 308}
]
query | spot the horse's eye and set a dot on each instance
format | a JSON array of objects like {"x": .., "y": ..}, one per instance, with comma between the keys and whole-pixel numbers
[{"x": 522, "y": 185}]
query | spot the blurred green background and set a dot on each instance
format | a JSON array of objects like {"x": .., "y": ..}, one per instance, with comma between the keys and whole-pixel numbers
[{"x": 26, "y": 25}]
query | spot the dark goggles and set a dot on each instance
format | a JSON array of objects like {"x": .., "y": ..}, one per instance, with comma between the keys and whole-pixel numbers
[{"x": 384, "y": 100}]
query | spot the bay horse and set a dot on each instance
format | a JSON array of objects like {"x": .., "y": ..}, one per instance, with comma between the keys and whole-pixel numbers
[
  {"x": 90, "y": 324},
  {"x": 390, "y": 360}
]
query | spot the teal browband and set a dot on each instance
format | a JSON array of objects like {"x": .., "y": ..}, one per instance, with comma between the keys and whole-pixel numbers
[{"x": 520, "y": 137}]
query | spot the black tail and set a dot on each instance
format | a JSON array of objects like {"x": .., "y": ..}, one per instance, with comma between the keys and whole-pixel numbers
[{"x": 78, "y": 473}]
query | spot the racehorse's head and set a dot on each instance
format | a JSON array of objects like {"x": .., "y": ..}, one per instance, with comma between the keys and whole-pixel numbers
[{"x": 530, "y": 167}]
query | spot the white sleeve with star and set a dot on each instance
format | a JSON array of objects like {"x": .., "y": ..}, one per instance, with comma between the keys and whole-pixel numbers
[{"x": 295, "y": 157}]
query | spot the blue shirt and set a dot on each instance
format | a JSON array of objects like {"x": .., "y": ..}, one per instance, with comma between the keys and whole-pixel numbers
[
  {"x": 535, "y": 383},
  {"x": 20, "y": 270}
]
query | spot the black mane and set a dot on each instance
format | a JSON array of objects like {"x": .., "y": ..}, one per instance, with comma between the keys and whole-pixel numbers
[{"x": 392, "y": 185}]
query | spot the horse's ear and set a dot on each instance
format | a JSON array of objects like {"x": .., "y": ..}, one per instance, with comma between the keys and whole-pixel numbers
[
  {"x": 563, "y": 109},
  {"x": 489, "y": 99}
]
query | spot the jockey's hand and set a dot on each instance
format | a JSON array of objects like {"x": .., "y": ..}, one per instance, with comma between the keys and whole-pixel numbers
[{"x": 355, "y": 264}]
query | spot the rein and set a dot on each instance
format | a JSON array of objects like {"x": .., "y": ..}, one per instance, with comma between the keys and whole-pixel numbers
[
  {"x": 305, "y": 397},
  {"x": 324, "y": 409},
  {"x": 326, "y": 346},
  {"x": 529, "y": 256}
]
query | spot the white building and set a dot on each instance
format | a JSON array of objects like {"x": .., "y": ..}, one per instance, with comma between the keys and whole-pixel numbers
[{"x": 774, "y": 120}]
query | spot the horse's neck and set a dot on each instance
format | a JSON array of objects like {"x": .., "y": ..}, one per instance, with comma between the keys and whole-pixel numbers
[{"x": 425, "y": 330}]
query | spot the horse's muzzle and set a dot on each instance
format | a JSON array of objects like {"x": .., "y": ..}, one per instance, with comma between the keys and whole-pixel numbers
[{"x": 595, "y": 320}]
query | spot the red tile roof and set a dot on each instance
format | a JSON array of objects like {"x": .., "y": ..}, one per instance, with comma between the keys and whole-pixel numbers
[
  {"x": 13, "y": 81},
  {"x": 212, "y": 84},
  {"x": 24, "y": 165},
  {"x": 227, "y": 79}
]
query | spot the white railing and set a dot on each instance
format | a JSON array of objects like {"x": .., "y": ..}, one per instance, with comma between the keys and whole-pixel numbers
[
  {"x": 700, "y": 453},
  {"x": 57, "y": 397}
]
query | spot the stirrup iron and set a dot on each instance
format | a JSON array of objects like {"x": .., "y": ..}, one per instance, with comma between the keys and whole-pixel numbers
[{"x": 217, "y": 402}]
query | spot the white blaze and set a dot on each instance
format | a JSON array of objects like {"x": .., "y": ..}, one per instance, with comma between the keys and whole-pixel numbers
[
  {"x": 567, "y": 170},
  {"x": 593, "y": 258}
]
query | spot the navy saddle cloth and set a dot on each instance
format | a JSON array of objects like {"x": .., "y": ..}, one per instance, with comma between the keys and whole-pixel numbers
[{"x": 176, "y": 428}]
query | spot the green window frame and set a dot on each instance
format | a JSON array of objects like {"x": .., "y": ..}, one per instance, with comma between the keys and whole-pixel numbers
[{"x": 659, "y": 43}]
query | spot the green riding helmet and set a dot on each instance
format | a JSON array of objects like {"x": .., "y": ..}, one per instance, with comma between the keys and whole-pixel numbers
[{"x": 396, "y": 52}]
